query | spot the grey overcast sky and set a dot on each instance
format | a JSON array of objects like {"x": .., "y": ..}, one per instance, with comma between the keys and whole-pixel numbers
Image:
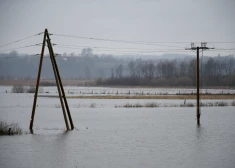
[{"x": 132, "y": 20}]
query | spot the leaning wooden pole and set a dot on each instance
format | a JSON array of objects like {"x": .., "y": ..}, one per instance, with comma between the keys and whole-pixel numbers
[
  {"x": 38, "y": 80},
  {"x": 60, "y": 82},
  {"x": 198, "y": 83},
  {"x": 57, "y": 83}
]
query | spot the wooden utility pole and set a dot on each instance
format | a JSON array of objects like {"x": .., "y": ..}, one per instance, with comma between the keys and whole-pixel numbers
[
  {"x": 57, "y": 84},
  {"x": 60, "y": 82},
  {"x": 60, "y": 88},
  {"x": 198, "y": 83},
  {"x": 38, "y": 80},
  {"x": 203, "y": 47}
]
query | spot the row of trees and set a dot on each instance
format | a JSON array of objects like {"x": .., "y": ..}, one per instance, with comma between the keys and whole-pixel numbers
[
  {"x": 214, "y": 71},
  {"x": 171, "y": 70}
]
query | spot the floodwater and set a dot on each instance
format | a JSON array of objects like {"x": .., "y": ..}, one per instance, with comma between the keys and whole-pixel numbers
[{"x": 116, "y": 137}]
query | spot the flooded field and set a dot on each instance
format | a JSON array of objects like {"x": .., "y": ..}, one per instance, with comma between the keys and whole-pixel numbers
[{"x": 109, "y": 135}]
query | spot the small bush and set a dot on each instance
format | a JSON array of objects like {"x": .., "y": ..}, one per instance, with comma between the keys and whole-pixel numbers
[
  {"x": 12, "y": 129},
  {"x": 222, "y": 104},
  {"x": 18, "y": 89}
]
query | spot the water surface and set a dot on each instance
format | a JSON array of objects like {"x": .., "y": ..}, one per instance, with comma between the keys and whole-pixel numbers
[{"x": 116, "y": 137}]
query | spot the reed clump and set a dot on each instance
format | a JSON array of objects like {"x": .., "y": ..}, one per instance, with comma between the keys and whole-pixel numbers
[
  {"x": 138, "y": 105},
  {"x": 12, "y": 129}
]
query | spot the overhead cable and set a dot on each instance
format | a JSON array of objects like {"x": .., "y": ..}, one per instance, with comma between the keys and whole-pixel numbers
[
  {"x": 20, "y": 47},
  {"x": 20, "y": 40},
  {"x": 119, "y": 41}
]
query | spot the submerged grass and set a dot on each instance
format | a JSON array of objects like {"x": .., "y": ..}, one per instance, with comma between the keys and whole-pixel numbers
[
  {"x": 187, "y": 105},
  {"x": 138, "y": 105},
  {"x": 12, "y": 129},
  {"x": 190, "y": 104},
  {"x": 151, "y": 105}
]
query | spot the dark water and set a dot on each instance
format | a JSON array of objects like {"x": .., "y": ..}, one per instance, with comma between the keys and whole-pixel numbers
[{"x": 109, "y": 137}]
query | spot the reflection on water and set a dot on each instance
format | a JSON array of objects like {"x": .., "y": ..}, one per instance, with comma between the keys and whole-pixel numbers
[{"x": 198, "y": 131}]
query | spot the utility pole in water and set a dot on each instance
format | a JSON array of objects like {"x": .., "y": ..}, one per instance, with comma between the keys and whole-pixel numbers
[
  {"x": 63, "y": 100},
  {"x": 203, "y": 47}
]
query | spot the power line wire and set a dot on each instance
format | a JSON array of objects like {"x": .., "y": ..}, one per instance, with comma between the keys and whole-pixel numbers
[
  {"x": 150, "y": 51},
  {"x": 139, "y": 42},
  {"x": 135, "y": 49},
  {"x": 139, "y": 49},
  {"x": 120, "y": 41},
  {"x": 20, "y": 40},
  {"x": 20, "y": 47}
]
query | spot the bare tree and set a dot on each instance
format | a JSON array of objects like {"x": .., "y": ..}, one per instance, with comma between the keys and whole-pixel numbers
[
  {"x": 148, "y": 70},
  {"x": 119, "y": 71},
  {"x": 131, "y": 67},
  {"x": 112, "y": 73},
  {"x": 87, "y": 72},
  {"x": 192, "y": 70},
  {"x": 87, "y": 52}
]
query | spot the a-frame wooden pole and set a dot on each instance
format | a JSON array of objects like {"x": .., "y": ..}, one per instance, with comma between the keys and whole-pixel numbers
[
  {"x": 60, "y": 82},
  {"x": 38, "y": 80},
  {"x": 57, "y": 83}
]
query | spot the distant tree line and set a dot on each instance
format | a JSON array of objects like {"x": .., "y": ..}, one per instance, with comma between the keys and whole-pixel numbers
[
  {"x": 151, "y": 70},
  {"x": 214, "y": 71},
  {"x": 83, "y": 66}
]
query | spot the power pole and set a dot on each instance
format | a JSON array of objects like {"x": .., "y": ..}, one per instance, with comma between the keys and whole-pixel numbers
[
  {"x": 38, "y": 80},
  {"x": 203, "y": 47},
  {"x": 63, "y": 100}
]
